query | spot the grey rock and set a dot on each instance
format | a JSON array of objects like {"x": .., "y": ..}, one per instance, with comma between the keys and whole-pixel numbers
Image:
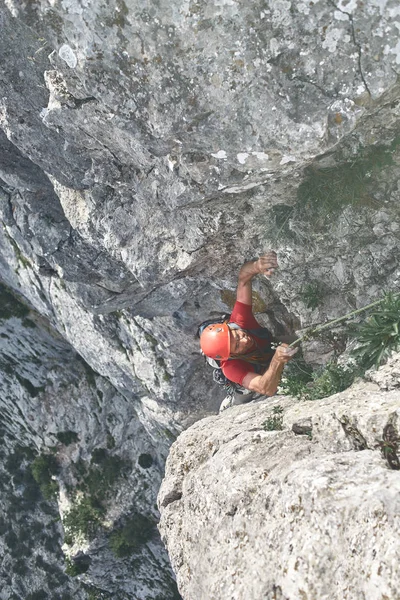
[
  {"x": 70, "y": 413},
  {"x": 247, "y": 512},
  {"x": 147, "y": 150}
]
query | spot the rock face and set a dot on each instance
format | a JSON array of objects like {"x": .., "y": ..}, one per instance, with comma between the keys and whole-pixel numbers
[
  {"x": 299, "y": 502},
  {"x": 163, "y": 145},
  {"x": 146, "y": 150},
  {"x": 74, "y": 420}
]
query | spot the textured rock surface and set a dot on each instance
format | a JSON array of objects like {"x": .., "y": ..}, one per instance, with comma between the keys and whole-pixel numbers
[
  {"x": 162, "y": 145},
  {"x": 146, "y": 150},
  {"x": 70, "y": 413},
  {"x": 253, "y": 513}
]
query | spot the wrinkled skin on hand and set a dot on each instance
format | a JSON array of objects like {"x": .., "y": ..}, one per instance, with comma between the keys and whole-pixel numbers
[
  {"x": 284, "y": 353},
  {"x": 267, "y": 264}
]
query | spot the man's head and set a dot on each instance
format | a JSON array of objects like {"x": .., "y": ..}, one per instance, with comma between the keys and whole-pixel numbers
[{"x": 220, "y": 340}]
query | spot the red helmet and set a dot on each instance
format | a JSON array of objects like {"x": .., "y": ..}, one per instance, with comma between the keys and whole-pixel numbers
[{"x": 215, "y": 341}]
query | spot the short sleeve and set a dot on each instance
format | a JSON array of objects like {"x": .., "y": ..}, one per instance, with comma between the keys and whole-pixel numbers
[
  {"x": 236, "y": 370},
  {"x": 242, "y": 314}
]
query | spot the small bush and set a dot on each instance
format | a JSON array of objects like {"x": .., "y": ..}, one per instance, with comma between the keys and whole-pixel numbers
[
  {"x": 4, "y": 526},
  {"x": 83, "y": 518},
  {"x": 102, "y": 475},
  {"x": 99, "y": 456},
  {"x": 274, "y": 423},
  {"x": 296, "y": 377},
  {"x": 145, "y": 461},
  {"x": 11, "y": 305},
  {"x": 379, "y": 335},
  {"x": 312, "y": 294},
  {"x": 20, "y": 567},
  {"x": 38, "y": 595},
  {"x": 110, "y": 441},
  {"x": 302, "y": 382},
  {"x": 11, "y": 539},
  {"x": 137, "y": 531},
  {"x": 43, "y": 468},
  {"x": 74, "y": 568},
  {"x": 17, "y": 458},
  {"x": 67, "y": 437},
  {"x": 332, "y": 380}
]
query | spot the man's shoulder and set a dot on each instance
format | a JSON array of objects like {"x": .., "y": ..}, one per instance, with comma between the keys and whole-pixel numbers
[
  {"x": 242, "y": 314},
  {"x": 235, "y": 370}
]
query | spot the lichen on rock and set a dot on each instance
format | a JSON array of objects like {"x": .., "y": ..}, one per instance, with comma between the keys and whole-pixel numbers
[
  {"x": 146, "y": 151},
  {"x": 248, "y": 509}
]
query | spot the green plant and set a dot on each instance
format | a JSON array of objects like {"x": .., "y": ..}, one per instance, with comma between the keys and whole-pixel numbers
[
  {"x": 73, "y": 568},
  {"x": 67, "y": 437},
  {"x": 38, "y": 595},
  {"x": 43, "y": 468},
  {"x": 330, "y": 380},
  {"x": 110, "y": 441},
  {"x": 326, "y": 191},
  {"x": 379, "y": 335},
  {"x": 296, "y": 377},
  {"x": 102, "y": 475},
  {"x": 274, "y": 422},
  {"x": 96, "y": 594},
  {"x": 145, "y": 460},
  {"x": 312, "y": 294},
  {"x": 137, "y": 531},
  {"x": 84, "y": 518}
]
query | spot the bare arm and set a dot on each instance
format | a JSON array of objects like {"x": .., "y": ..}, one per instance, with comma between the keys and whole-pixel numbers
[
  {"x": 267, "y": 383},
  {"x": 265, "y": 264}
]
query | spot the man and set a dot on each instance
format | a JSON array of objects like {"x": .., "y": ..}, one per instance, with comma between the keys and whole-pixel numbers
[{"x": 242, "y": 346}]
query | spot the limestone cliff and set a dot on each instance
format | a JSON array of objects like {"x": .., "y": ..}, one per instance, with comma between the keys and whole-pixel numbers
[
  {"x": 299, "y": 502},
  {"x": 146, "y": 150}
]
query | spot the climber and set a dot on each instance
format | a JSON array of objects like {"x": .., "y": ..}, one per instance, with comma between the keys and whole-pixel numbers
[{"x": 242, "y": 346}]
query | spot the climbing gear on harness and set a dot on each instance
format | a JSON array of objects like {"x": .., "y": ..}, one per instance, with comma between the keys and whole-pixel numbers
[{"x": 260, "y": 360}]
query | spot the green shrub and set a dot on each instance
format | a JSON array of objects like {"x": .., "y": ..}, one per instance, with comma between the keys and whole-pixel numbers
[
  {"x": 110, "y": 441},
  {"x": 326, "y": 191},
  {"x": 43, "y": 468},
  {"x": 67, "y": 437},
  {"x": 83, "y": 518},
  {"x": 3, "y": 526},
  {"x": 11, "y": 305},
  {"x": 17, "y": 458},
  {"x": 103, "y": 474},
  {"x": 95, "y": 481},
  {"x": 11, "y": 539},
  {"x": 137, "y": 531},
  {"x": 96, "y": 594},
  {"x": 74, "y": 568},
  {"x": 305, "y": 384},
  {"x": 145, "y": 461},
  {"x": 274, "y": 422},
  {"x": 38, "y": 595},
  {"x": 297, "y": 375},
  {"x": 379, "y": 335},
  {"x": 99, "y": 456},
  {"x": 312, "y": 294},
  {"x": 20, "y": 567}
]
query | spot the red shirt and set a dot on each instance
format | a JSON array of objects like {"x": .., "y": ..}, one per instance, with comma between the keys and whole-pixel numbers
[{"x": 236, "y": 370}]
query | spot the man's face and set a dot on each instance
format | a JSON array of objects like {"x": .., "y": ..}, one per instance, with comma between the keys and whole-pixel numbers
[{"x": 241, "y": 342}]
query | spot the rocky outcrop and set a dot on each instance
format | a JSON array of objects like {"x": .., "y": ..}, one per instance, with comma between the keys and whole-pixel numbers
[
  {"x": 289, "y": 500},
  {"x": 162, "y": 146},
  {"x": 68, "y": 436},
  {"x": 146, "y": 150}
]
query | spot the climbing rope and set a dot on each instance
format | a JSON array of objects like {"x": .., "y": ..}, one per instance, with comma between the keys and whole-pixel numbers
[{"x": 313, "y": 330}]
